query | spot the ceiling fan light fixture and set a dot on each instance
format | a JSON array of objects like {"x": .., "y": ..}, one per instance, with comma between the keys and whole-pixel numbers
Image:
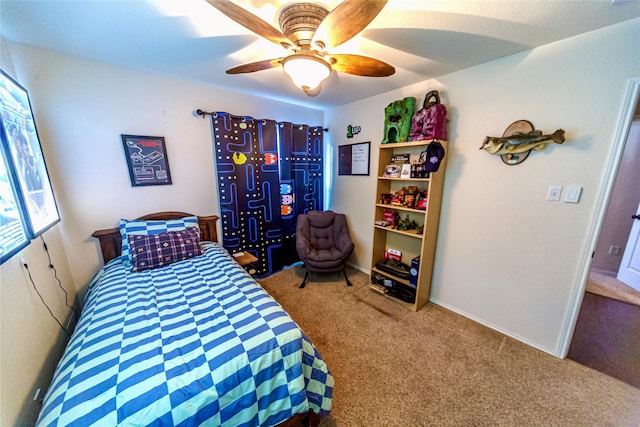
[{"x": 306, "y": 71}]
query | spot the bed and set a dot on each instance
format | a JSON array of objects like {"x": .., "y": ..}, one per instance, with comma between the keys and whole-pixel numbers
[{"x": 195, "y": 341}]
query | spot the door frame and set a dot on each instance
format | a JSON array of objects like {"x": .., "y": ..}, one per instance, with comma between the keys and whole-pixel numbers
[
  {"x": 630, "y": 279},
  {"x": 629, "y": 102}
]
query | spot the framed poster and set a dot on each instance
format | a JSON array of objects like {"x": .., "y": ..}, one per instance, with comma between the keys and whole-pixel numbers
[
  {"x": 353, "y": 159},
  {"x": 22, "y": 146},
  {"x": 147, "y": 160}
]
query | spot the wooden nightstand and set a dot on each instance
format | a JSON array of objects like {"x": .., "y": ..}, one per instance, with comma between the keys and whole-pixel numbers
[{"x": 244, "y": 258}]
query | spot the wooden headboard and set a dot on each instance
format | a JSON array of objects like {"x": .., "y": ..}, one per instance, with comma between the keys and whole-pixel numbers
[{"x": 111, "y": 240}]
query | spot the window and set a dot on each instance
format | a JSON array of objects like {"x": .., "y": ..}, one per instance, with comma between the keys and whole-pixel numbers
[
  {"x": 13, "y": 234},
  {"x": 27, "y": 204}
]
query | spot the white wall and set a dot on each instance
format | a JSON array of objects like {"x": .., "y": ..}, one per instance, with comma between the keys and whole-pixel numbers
[
  {"x": 81, "y": 108},
  {"x": 505, "y": 256},
  {"x": 31, "y": 341}
]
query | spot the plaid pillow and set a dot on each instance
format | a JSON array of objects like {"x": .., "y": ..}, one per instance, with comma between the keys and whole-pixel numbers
[
  {"x": 139, "y": 227},
  {"x": 162, "y": 249}
]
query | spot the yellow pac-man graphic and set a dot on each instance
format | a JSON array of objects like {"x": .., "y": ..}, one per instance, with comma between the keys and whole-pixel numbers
[{"x": 239, "y": 158}]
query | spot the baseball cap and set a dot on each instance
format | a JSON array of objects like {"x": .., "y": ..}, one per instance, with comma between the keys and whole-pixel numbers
[{"x": 435, "y": 154}]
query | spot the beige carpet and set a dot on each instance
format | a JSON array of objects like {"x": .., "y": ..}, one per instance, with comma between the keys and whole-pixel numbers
[
  {"x": 394, "y": 367},
  {"x": 608, "y": 286}
]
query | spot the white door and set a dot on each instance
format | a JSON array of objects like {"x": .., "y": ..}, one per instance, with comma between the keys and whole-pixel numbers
[{"x": 629, "y": 271}]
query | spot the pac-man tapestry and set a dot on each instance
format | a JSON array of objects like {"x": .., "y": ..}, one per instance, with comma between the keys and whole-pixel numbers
[
  {"x": 268, "y": 173},
  {"x": 301, "y": 179}
]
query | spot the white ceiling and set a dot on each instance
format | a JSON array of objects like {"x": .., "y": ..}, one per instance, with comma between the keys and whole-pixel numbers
[{"x": 190, "y": 39}]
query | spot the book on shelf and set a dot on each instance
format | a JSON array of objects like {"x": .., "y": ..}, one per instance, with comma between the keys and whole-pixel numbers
[{"x": 400, "y": 159}]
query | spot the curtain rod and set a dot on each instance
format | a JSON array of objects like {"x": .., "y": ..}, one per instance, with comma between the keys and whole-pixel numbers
[{"x": 214, "y": 114}]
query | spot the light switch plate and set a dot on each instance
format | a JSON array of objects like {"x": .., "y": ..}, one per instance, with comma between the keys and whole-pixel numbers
[
  {"x": 573, "y": 194},
  {"x": 553, "y": 194}
]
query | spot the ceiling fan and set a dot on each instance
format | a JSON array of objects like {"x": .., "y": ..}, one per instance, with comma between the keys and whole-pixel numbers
[{"x": 308, "y": 31}]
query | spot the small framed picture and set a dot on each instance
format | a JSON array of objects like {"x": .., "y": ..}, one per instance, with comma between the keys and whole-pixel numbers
[
  {"x": 406, "y": 171},
  {"x": 353, "y": 159},
  {"x": 147, "y": 160}
]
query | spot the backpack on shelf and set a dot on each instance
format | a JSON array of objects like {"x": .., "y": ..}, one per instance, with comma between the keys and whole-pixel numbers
[{"x": 430, "y": 122}]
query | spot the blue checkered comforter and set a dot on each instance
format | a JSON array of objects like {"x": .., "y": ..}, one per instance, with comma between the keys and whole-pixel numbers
[{"x": 196, "y": 342}]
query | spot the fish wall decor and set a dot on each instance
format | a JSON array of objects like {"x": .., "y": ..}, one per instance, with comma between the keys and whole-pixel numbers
[{"x": 518, "y": 140}]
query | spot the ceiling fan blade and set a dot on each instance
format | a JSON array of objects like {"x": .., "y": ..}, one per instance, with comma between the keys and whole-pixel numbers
[
  {"x": 345, "y": 21},
  {"x": 256, "y": 66},
  {"x": 361, "y": 65},
  {"x": 251, "y": 22}
]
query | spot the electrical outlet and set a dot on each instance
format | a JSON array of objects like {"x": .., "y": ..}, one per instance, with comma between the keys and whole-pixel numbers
[
  {"x": 614, "y": 250},
  {"x": 553, "y": 193}
]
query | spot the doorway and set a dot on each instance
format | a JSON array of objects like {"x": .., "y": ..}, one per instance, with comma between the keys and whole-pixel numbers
[
  {"x": 607, "y": 330},
  {"x": 609, "y": 274}
]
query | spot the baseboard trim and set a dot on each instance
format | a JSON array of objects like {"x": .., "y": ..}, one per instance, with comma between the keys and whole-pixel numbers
[
  {"x": 603, "y": 271},
  {"x": 357, "y": 267},
  {"x": 475, "y": 319},
  {"x": 492, "y": 326}
]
